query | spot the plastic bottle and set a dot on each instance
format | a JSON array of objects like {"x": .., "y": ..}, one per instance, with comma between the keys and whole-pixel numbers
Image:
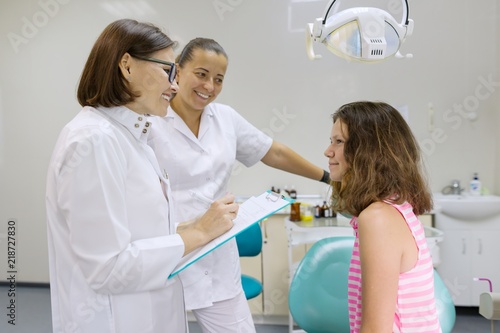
[
  {"x": 475, "y": 185},
  {"x": 306, "y": 212}
]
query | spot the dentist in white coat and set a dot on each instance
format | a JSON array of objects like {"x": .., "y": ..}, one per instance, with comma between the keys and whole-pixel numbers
[{"x": 112, "y": 240}]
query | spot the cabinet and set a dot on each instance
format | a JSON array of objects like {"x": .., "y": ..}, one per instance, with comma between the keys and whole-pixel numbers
[
  {"x": 275, "y": 268},
  {"x": 469, "y": 250}
]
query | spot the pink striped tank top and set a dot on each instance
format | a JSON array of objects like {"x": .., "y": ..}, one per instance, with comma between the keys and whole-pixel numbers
[{"x": 416, "y": 305}]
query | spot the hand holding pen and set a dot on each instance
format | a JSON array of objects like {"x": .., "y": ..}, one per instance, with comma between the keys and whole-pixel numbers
[{"x": 217, "y": 220}]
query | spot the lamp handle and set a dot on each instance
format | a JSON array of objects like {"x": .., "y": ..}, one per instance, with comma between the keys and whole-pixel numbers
[
  {"x": 309, "y": 43},
  {"x": 403, "y": 2}
]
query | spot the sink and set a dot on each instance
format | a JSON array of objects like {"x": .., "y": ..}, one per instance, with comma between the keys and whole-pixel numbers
[{"x": 467, "y": 207}]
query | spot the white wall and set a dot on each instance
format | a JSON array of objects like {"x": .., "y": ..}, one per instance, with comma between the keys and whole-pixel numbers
[
  {"x": 270, "y": 81},
  {"x": 497, "y": 113}
]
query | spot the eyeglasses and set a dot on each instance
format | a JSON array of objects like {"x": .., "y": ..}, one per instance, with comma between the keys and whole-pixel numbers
[{"x": 172, "y": 71}]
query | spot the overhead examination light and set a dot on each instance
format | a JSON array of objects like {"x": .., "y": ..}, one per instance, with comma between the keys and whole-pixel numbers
[{"x": 364, "y": 34}]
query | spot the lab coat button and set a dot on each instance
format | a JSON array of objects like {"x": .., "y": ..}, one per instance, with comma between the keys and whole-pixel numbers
[
  {"x": 136, "y": 125},
  {"x": 144, "y": 131},
  {"x": 147, "y": 124},
  {"x": 140, "y": 118}
]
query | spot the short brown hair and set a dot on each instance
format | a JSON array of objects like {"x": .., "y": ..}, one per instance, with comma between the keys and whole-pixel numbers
[{"x": 102, "y": 83}]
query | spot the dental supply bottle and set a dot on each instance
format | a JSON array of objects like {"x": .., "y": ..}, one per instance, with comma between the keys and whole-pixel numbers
[
  {"x": 475, "y": 185},
  {"x": 326, "y": 210},
  {"x": 295, "y": 211},
  {"x": 317, "y": 211}
]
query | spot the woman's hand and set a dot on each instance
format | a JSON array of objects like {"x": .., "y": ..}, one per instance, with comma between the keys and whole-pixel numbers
[{"x": 217, "y": 220}]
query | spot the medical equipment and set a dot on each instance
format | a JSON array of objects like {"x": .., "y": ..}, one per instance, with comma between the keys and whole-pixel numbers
[
  {"x": 363, "y": 34},
  {"x": 489, "y": 304}
]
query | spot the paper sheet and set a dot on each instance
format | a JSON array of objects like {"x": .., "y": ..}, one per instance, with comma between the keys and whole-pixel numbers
[{"x": 251, "y": 211}]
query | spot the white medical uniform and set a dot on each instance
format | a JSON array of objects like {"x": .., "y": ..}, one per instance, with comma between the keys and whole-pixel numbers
[
  {"x": 200, "y": 169},
  {"x": 112, "y": 244}
]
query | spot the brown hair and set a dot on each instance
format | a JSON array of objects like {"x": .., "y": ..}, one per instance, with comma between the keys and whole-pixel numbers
[
  {"x": 199, "y": 43},
  {"x": 383, "y": 157},
  {"x": 102, "y": 82}
]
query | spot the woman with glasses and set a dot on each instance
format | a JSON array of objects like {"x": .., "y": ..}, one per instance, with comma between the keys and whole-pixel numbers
[
  {"x": 198, "y": 143},
  {"x": 112, "y": 242}
]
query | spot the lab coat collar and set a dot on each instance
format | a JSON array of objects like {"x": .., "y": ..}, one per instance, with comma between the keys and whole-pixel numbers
[
  {"x": 172, "y": 114},
  {"x": 181, "y": 126},
  {"x": 137, "y": 124}
]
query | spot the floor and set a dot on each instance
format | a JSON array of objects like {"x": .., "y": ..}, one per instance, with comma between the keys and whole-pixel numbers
[{"x": 33, "y": 315}]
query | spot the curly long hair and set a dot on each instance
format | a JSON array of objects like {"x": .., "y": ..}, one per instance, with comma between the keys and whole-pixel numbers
[{"x": 383, "y": 158}]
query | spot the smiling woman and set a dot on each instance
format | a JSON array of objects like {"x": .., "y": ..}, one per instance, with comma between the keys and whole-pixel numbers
[
  {"x": 198, "y": 142},
  {"x": 110, "y": 234},
  {"x": 151, "y": 80},
  {"x": 144, "y": 79}
]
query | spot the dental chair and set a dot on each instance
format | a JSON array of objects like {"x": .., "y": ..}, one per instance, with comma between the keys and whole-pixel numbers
[{"x": 317, "y": 297}]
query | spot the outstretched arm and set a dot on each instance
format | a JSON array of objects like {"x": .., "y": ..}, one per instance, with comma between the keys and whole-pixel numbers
[{"x": 282, "y": 157}]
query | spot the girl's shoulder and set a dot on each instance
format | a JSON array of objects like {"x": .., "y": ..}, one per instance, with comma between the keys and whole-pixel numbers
[
  {"x": 376, "y": 208},
  {"x": 379, "y": 214}
]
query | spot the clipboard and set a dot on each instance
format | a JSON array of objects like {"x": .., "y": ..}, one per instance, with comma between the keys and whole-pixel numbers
[{"x": 251, "y": 211}]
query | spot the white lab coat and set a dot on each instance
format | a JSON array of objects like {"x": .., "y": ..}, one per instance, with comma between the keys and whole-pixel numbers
[
  {"x": 112, "y": 244},
  {"x": 200, "y": 169}
]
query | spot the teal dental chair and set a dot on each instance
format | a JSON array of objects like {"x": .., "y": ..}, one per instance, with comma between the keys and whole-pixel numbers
[
  {"x": 444, "y": 304},
  {"x": 317, "y": 297},
  {"x": 250, "y": 245}
]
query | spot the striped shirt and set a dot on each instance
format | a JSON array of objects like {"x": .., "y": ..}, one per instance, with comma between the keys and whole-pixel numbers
[{"x": 416, "y": 305}]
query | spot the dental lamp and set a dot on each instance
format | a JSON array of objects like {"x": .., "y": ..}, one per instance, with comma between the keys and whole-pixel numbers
[{"x": 363, "y": 34}]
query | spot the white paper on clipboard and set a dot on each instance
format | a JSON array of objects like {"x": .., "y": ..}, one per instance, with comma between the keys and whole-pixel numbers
[{"x": 251, "y": 211}]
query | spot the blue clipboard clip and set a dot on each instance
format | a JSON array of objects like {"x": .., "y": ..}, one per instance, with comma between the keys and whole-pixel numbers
[{"x": 273, "y": 196}]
